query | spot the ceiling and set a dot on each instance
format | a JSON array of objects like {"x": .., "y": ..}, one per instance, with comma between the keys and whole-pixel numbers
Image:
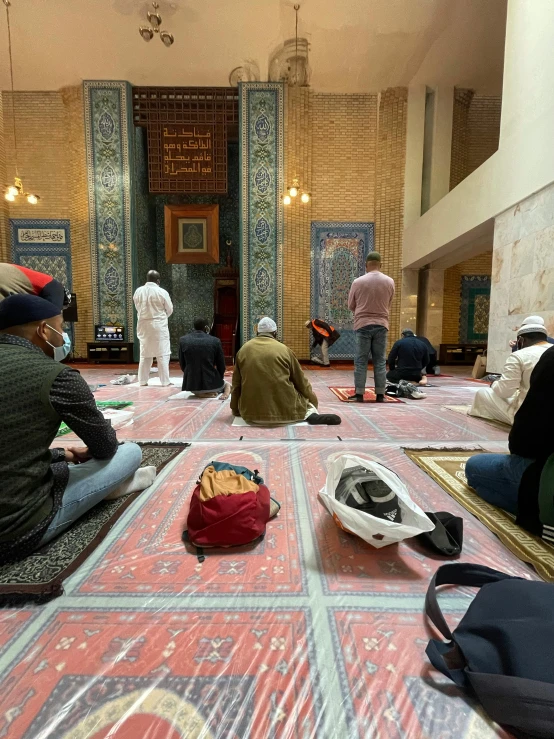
[{"x": 356, "y": 45}]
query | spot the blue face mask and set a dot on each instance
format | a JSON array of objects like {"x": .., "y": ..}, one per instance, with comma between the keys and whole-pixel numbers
[{"x": 60, "y": 352}]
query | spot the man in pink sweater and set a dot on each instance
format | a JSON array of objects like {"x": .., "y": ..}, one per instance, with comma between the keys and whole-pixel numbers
[{"x": 370, "y": 300}]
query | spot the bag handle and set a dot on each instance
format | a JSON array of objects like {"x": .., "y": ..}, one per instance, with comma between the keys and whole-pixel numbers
[{"x": 457, "y": 573}]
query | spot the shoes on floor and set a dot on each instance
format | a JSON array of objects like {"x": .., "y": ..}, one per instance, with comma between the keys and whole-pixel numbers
[
  {"x": 324, "y": 419},
  {"x": 379, "y": 398},
  {"x": 418, "y": 395},
  {"x": 355, "y": 398}
]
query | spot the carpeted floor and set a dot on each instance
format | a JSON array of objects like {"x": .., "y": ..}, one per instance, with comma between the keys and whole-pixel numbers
[
  {"x": 448, "y": 469},
  {"x": 313, "y": 634},
  {"x": 40, "y": 576}
]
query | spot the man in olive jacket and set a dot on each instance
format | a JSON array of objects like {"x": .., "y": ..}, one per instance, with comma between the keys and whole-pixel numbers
[{"x": 269, "y": 387}]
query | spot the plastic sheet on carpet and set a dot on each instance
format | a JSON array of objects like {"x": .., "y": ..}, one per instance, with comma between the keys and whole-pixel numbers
[{"x": 310, "y": 634}]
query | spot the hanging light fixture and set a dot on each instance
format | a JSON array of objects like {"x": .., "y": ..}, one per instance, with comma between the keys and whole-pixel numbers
[
  {"x": 295, "y": 189},
  {"x": 15, "y": 191},
  {"x": 155, "y": 20}
]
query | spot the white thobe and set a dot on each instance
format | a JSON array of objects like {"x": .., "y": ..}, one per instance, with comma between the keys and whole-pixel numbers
[
  {"x": 503, "y": 399},
  {"x": 154, "y": 307}
]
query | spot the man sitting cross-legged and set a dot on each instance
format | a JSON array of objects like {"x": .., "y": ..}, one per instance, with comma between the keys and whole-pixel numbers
[
  {"x": 40, "y": 494},
  {"x": 203, "y": 363},
  {"x": 269, "y": 387},
  {"x": 503, "y": 399},
  {"x": 521, "y": 482}
]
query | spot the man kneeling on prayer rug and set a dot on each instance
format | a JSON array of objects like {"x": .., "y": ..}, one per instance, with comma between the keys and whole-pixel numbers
[
  {"x": 503, "y": 399},
  {"x": 41, "y": 494},
  {"x": 269, "y": 387}
]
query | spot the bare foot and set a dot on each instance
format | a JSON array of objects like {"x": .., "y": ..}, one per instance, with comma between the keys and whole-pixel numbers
[
  {"x": 226, "y": 392},
  {"x": 423, "y": 380}
]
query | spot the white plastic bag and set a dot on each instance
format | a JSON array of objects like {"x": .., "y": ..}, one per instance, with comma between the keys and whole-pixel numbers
[{"x": 364, "y": 525}]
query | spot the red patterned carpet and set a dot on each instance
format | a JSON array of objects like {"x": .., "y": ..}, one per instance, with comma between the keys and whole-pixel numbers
[{"x": 312, "y": 634}]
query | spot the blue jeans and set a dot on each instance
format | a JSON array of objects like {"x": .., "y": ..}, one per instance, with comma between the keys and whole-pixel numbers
[
  {"x": 89, "y": 483},
  {"x": 371, "y": 341},
  {"x": 496, "y": 478}
]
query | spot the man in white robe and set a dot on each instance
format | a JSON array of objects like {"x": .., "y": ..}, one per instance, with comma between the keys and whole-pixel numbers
[
  {"x": 154, "y": 307},
  {"x": 503, "y": 399}
]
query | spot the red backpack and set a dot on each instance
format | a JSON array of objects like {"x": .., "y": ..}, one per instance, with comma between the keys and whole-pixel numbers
[{"x": 230, "y": 506}]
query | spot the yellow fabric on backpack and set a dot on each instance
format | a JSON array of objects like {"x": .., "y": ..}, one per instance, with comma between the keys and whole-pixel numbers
[{"x": 225, "y": 482}]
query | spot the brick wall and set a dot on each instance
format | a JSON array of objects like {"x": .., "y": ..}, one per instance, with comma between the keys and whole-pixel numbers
[
  {"x": 51, "y": 154},
  {"x": 349, "y": 152},
  {"x": 79, "y": 215},
  {"x": 481, "y": 265},
  {"x": 475, "y": 132}
]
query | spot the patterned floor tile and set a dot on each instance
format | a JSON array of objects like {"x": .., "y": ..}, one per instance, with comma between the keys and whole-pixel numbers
[
  {"x": 387, "y": 687},
  {"x": 12, "y": 623},
  {"x": 350, "y": 565},
  {"x": 150, "y": 557},
  {"x": 166, "y": 674}
]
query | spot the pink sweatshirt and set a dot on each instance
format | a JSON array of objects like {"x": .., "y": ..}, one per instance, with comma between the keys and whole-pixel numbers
[{"x": 370, "y": 299}]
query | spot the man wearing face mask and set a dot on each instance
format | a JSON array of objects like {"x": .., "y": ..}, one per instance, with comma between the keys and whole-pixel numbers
[
  {"x": 203, "y": 363},
  {"x": 40, "y": 494}
]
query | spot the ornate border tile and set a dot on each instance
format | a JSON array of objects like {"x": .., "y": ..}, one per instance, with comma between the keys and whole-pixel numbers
[
  {"x": 109, "y": 166},
  {"x": 261, "y": 125}
]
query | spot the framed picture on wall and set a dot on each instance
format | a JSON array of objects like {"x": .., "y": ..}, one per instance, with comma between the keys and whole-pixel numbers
[{"x": 191, "y": 234}]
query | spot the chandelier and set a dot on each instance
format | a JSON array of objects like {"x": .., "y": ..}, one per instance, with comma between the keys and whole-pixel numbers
[
  {"x": 155, "y": 20},
  {"x": 12, "y": 192},
  {"x": 295, "y": 188}
]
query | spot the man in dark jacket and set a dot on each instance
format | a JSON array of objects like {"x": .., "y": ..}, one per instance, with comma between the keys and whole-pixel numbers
[
  {"x": 203, "y": 363},
  {"x": 517, "y": 481},
  {"x": 41, "y": 495},
  {"x": 323, "y": 336},
  {"x": 407, "y": 359},
  {"x": 432, "y": 363}
]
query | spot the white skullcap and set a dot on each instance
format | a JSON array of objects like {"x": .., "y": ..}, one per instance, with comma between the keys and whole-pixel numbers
[
  {"x": 535, "y": 320},
  {"x": 266, "y": 326},
  {"x": 529, "y": 328}
]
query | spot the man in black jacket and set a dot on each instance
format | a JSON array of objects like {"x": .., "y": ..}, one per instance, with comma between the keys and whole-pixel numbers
[
  {"x": 512, "y": 481},
  {"x": 203, "y": 363},
  {"x": 407, "y": 359}
]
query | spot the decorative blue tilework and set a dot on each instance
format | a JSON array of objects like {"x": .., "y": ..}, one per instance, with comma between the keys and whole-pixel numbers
[
  {"x": 261, "y": 126},
  {"x": 108, "y": 124},
  {"x": 474, "y": 309},
  {"x": 43, "y": 245},
  {"x": 338, "y": 252}
]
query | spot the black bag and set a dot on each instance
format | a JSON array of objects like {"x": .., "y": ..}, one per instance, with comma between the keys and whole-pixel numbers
[
  {"x": 502, "y": 647},
  {"x": 447, "y": 537}
]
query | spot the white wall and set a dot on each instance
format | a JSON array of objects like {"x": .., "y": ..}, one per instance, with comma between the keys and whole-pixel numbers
[{"x": 524, "y": 163}]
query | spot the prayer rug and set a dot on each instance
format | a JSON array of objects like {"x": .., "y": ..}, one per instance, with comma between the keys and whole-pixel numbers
[
  {"x": 464, "y": 411},
  {"x": 39, "y": 576},
  {"x": 343, "y": 393},
  {"x": 115, "y": 405},
  {"x": 447, "y": 468}
]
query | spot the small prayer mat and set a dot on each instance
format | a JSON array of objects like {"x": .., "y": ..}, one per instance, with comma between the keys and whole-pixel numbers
[
  {"x": 447, "y": 468},
  {"x": 343, "y": 393},
  {"x": 116, "y": 405},
  {"x": 39, "y": 576},
  {"x": 464, "y": 411}
]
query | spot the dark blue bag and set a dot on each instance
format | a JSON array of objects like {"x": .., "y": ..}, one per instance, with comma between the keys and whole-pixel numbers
[{"x": 502, "y": 649}]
